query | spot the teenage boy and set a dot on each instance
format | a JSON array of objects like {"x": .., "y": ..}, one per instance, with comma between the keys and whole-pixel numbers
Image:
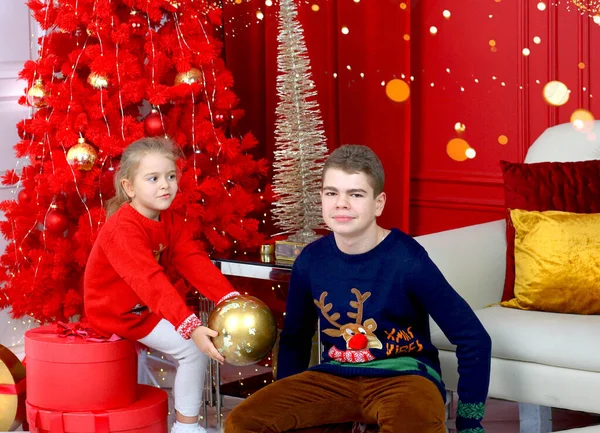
[{"x": 373, "y": 291}]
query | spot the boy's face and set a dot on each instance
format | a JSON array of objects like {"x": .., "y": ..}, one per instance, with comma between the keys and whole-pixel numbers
[{"x": 349, "y": 208}]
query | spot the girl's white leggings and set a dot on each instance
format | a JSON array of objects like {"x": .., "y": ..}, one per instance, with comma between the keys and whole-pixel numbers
[{"x": 189, "y": 378}]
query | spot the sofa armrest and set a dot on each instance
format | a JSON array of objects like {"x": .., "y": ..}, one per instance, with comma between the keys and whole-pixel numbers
[{"x": 473, "y": 260}]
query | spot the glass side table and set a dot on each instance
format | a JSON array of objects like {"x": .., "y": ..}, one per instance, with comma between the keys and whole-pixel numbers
[{"x": 253, "y": 266}]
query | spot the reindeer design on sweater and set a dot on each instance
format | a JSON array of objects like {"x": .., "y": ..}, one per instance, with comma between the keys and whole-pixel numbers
[{"x": 359, "y": 336}]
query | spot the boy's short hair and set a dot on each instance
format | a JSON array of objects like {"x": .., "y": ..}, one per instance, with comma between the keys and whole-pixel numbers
[{"x": 356, "y": 158}]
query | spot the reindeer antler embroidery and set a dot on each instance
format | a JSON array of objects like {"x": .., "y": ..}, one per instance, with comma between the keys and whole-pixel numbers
[
  {"x": 358, "y": 304},
  {"x": 326, "y": 308}
]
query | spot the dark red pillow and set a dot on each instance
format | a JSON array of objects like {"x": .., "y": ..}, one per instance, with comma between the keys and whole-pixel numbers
[{"x": 562, "y": 186}]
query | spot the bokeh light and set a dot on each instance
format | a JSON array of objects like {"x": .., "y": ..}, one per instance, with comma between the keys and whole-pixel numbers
[
  {"x": 397, "y": 90},
  {"x": 541, "y": 6},
  {"x": 457, "y": 149},
  {"x": 503, "y": 139},
  {"x": 582, "y": 120},
  {"x": 446, "y": 14},
  {"x": 315, "y": 8},
  {"x": 460, "y": 127},
  {"x": 470, "y": 152},
  {"x": 556, "y": 93},
  {"x": 526, "y": 51},
  {"x": 345, "y": 30},
  {"x": 537, "y": 40},
  {"x": 403, "y": 6},
  {"x": 433, "y": 30},
  {"x": 581, "y": 65},
  {"x": 259, "y": 14}
]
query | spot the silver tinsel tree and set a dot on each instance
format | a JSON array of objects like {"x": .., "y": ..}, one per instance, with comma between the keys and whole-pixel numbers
[{"x": 300, "y": 149}]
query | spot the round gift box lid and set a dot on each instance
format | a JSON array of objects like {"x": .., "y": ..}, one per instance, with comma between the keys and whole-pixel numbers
[{"x": 47, "y": 343}]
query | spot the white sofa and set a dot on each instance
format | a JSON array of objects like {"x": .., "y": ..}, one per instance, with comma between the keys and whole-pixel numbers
[{"x": 539, "y": 359}]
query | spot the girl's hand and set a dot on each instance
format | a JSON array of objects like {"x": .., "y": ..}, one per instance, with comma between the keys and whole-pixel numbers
[{"x": 201, "y": 337}]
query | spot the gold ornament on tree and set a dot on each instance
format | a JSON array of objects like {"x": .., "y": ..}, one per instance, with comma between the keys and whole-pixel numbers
[
  {"x": 300, "y": 144},
  {"x": 194, "y": 75},
  {"x": 97, "y": 81},
  {"x": 36, "y": 94},
  {"x": 246, "y": 327},
  {"x": 82, "y": 155}
]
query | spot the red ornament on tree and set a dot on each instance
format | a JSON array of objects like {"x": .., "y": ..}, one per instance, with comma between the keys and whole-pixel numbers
[
  {"x": 138, "y": 24},
  {"x": 56, "y": 221},
  {"x": 153, "y": 124},
  {"x": 221, "y": 118},
  {"x": 23, "y": 196}
]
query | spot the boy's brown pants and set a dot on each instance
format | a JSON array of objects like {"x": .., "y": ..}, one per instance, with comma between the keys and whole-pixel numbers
[{"x": 401, "y": 404}]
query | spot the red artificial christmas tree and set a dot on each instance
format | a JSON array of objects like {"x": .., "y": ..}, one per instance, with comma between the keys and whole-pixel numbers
[{"x": 103, "y": 64}]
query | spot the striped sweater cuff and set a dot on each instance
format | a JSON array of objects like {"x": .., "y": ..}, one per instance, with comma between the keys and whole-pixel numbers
[
  {"x": 188, "y": 325},
  {"x": 469, "y": 416},
  {"x": 228, "y": 296}
]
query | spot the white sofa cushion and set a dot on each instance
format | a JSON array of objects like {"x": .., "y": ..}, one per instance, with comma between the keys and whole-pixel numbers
[
  {"x": 559, "y": 340},
  {"x": 562, "y": 143}
]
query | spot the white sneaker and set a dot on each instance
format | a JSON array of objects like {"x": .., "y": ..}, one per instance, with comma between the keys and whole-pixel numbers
[{"x": 186, "y": 428}]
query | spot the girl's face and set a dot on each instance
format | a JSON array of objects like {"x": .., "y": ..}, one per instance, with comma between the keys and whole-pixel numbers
[{"x": 154, "y": 185}]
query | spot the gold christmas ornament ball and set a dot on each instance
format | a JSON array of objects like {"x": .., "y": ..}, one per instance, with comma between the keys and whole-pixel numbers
[
  {"x": 246, "y": 327},
  {"x": 189, "y": 77},
  {"x": 82, "y": 155},
  {"x": 97, "y": 81},
  {"x": 12, "y": 390},
  {"x": 36, "y": 95}
]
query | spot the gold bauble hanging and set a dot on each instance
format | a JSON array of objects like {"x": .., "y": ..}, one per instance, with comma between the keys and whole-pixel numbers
[
  {"x": 36, "y": 95},
  {"x": 97, "y": 81},
  {"x": 82, "y": 155},
  {"x": 189, "y": 77},
  {"x": 246, "y": 327}
]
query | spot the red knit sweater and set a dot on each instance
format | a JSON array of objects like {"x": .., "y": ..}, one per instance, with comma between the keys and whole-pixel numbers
[{"x": 126, "y": 288}]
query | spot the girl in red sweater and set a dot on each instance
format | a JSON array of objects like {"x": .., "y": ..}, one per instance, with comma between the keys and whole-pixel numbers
[{"x": 126, "y": 288}]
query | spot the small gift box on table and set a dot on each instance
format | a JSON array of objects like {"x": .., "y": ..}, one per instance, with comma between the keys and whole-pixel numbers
[
  {"x": 12, "y": 390},
  {"x": 147, "y": 415},
  {"x": 71, "y": 369}
]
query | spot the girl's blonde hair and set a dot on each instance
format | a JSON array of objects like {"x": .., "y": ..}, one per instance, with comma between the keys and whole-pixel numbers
[{"x": 130, "y": 161}]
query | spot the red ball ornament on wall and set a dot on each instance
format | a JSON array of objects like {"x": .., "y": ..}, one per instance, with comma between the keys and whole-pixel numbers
[
  {"x": 56, "y": 221},
  {"x": 153, "y": 124}
]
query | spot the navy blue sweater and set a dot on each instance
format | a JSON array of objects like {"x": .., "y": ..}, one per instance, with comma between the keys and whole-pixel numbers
[{"x": 374, "y": 313}]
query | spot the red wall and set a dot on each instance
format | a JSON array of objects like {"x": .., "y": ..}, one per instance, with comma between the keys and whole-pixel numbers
[
  {"x": 428, "y": 191},
  {"x": 445, "y": 193}
]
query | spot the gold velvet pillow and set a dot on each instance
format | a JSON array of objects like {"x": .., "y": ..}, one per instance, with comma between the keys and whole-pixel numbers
[{"x": 557, "y": 262}]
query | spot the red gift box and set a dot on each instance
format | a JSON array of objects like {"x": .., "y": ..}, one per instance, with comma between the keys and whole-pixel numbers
[
  {"x": 67, "y": 370},
  {"x": 147, "y": 415}
]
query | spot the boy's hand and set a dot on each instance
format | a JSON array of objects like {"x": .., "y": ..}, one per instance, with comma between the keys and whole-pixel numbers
[{"x": 201, "y": 337}]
